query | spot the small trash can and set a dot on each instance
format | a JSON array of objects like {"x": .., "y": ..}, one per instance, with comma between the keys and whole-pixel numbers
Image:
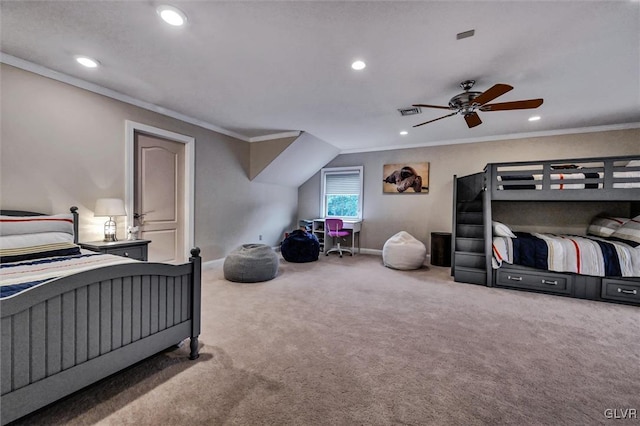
[{"x": 441, "y": 248}]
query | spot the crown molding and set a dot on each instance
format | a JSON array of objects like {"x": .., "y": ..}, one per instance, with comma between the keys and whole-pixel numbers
[
  {"x": 95, "y": 88},
  {"x": 545, "y": 133},
  {"x": 291, "y": 134}
]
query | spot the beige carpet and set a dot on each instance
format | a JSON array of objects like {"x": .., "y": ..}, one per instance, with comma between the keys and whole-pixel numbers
[{"x": 350, "y": 342}]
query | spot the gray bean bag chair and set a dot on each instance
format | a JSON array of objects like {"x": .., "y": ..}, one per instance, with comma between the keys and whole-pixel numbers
[{"x": 251, "y": 263}]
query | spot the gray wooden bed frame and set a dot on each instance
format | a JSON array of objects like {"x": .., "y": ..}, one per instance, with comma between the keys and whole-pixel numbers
[
  {"x": 472, "y": 218},
  {"x": 65, "y": 335}
]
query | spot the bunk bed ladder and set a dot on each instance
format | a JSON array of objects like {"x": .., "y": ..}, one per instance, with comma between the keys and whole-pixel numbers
[{"x": 469, "y": 263}]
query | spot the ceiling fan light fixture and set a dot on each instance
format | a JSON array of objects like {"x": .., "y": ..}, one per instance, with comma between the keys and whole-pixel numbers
[
  {"x": 469, "y": 103},
  {"x": 171, "y": 15},
  {"x": 534, "y": 118},
  {"x": 87, "y": 61},
  {"x": 358, "y": 65}
]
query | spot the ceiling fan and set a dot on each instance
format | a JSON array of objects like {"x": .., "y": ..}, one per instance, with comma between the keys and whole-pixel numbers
[{"x": 468, "y": 102}]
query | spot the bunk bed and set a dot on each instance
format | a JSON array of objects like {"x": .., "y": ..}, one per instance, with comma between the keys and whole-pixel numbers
[
  {"x": 477, "y": 199},
  {"x": 62, "y": 334}
]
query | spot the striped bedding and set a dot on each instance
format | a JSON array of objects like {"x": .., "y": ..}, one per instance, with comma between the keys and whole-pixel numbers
[
  {"x": 568, "y": 253},
  {"x": 16, "y": 277}
]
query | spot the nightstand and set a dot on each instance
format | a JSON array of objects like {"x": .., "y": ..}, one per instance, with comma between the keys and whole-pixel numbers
[{"x": 135, "y": 249}]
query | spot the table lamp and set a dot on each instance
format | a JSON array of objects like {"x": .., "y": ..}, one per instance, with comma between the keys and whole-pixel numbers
[{"x": 110, "y": 207}]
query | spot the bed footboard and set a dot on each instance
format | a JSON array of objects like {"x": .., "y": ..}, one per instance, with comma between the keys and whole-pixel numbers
[{"x": 76, "y": 330}]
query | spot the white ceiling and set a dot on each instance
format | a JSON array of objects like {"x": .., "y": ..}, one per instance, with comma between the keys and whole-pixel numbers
[{"x": 262, "y": 68}]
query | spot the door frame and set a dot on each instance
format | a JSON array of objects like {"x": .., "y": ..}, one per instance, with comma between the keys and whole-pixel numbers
[{"x": 131, "y": 127}]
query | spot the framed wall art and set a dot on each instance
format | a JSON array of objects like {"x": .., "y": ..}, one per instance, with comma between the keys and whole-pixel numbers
[{"x": 405, "y": 178}]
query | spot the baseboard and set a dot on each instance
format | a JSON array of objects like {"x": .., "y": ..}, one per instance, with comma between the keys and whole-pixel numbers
[
  {"x": 377, "y": 252},
  {"x": 371, "y": 251},
  {"x": 211, "y": 264}
]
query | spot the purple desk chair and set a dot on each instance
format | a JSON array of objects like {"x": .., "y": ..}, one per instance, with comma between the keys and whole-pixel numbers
[{"x": 333, "y": 227}]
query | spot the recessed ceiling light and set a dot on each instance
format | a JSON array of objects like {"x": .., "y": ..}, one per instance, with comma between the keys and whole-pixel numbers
[
  {"x": 404, "y": 133},
  {"x": 87, "y": 62},
  {"x": 172, "y": 15},
  {"x": 358, "y": 65},
  {"x": 534, "y": 118}
]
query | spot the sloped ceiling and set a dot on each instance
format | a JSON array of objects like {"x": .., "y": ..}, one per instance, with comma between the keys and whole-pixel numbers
[{"x": 298, "y": 162}]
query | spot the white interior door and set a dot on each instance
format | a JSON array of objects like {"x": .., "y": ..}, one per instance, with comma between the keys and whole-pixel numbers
[{"x": 159, "y": 196}]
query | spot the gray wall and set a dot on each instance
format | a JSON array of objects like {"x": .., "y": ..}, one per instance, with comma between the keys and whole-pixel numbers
[
  {"x": 64, "y": 146},
  {"x": 420, "y": 214}
]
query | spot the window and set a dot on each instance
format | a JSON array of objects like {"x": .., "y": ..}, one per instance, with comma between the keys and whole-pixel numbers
[{"x": 342, "y": 192}]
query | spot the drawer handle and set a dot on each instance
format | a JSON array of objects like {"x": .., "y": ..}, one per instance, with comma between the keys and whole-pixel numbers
[
  {"x": 625, "y": 291},
  {"x": 514, "y": 278},
  {"x": 549, "y": 282}
]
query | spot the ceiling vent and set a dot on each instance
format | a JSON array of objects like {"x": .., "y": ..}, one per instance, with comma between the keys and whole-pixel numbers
[
  {"x": 409, "y": 111},
  {"x": 465, "y": 34}
]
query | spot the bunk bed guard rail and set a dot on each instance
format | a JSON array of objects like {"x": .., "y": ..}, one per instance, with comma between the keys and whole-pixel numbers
[{"x": 605, "y": 179}]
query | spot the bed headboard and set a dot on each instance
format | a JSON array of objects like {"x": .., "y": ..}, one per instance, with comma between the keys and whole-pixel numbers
[{"x": 73, "y": 210}]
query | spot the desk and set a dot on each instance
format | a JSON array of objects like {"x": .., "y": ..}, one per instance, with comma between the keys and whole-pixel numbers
[{"x": 317, "y": 227}]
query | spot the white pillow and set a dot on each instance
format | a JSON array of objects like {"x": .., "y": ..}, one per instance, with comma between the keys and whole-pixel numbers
[
  {"x": 19, "y": 225},
  {"x": 502, "y": 230},
  {"x": 16, "y": 248},
  {"x": 629, "y": 232},
  {"x": 604, "y": 226},
  {"x": 8, "y": 242}
]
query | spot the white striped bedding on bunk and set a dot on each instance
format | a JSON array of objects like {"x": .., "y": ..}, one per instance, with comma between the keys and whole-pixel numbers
[{"x": 568, "y": 253}]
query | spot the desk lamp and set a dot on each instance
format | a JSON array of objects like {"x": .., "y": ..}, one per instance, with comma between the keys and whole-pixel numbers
[{"x": 110, "y": 207}]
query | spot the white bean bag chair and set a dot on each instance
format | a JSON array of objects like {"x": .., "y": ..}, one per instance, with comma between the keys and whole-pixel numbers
[
  {"x": 403, "y": 251},
  {"x": 251, "y": 263}
]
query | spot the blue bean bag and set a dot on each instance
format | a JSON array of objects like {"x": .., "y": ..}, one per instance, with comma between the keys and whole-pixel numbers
[{"x": 300, "y": 247}]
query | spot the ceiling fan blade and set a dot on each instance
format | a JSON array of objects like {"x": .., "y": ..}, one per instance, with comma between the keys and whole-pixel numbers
[
  {"x": 492, "y": 93},
  {"x": 431, "y": 106},
  {"x": 436, "y": 119},
  {"x": 505, "y": 106},
  {"x": 472, "y": 119}
]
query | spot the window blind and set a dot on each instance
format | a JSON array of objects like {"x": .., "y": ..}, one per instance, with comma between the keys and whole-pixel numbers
[{"x": 342, "y": 183}]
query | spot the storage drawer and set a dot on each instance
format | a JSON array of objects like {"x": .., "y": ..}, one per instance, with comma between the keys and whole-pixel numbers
[
  {"x": 132, "y": 252},
  {"x": 545, "y": 281},
  {"x": 626, "y": 291},
  {"x": 470, "y": 244},
  {"x": 470, "y": 260}
]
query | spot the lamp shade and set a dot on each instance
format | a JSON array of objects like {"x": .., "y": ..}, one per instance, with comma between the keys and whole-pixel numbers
[{"x": 109, "y": 207}]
